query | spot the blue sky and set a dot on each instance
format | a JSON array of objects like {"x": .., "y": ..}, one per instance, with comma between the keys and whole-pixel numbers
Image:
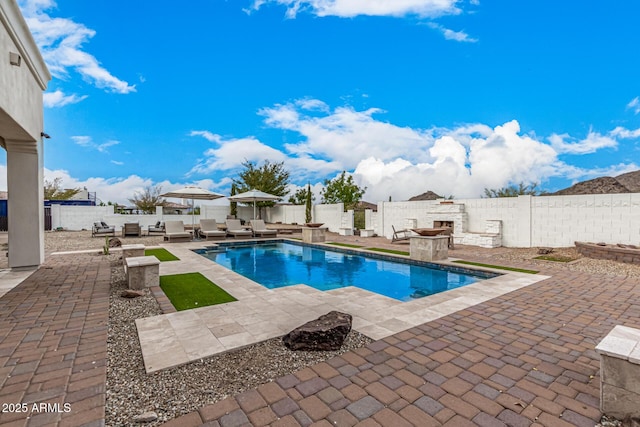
[{"x": 409, "y": 96}]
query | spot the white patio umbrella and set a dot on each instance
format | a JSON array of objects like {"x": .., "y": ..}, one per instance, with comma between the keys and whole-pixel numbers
[
  {"x": 253, "y": 196},
  {"x": 193, "y": 192}
]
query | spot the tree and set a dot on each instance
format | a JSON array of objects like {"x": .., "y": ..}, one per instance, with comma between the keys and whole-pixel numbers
[
  {"x": 148, "y": 199},
  {"x": 271, "y": 178},
  {"x": 233, "y": 206},
  {"x": 342, "y": 190},
  {"x": 53, "y": 190},
  {"x": 308, "y": 205},
  {"x": 300, "y": 197},
  {"x": 512, "y": 190}
]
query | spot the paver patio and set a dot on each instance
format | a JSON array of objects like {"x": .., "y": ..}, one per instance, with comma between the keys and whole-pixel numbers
[{"x": 523, "y": 358}]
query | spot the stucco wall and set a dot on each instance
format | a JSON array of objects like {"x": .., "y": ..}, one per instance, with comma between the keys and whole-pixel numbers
[{"x": 20, "y": 86}]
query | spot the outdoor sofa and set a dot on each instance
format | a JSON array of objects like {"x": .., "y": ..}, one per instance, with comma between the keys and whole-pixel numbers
[{"x": 102, "y": 229}]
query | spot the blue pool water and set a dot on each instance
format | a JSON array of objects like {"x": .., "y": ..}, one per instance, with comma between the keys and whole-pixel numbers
[{"x": 278, "y": 264}]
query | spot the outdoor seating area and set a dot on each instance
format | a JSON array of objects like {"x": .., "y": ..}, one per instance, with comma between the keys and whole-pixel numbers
[
  {"x": 175, "y": 230},
  {"x": 131, "y": 229},
  {"x": 209, "y": 230},
  {"x": 101, "y": 229},
  {"x": 236, "y": 230},
  {"x": 158, "y": 228}
]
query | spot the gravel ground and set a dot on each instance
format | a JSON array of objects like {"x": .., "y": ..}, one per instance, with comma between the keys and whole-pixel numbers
[
  {"x": 177, "y": 391},
  {"x": 173, "y": 392}
]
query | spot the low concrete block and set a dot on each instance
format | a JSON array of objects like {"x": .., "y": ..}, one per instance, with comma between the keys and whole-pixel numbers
[
  {"x": 620, "y": 372},
  {"x": 143, "y": 272},
  {"x": 367, "y": 233},
  {"x": 129, "y": 251},
  {"x": 346, "y": 232},
  {"x": 429, "y": 248},
  {"x": 313, "y": 234}
]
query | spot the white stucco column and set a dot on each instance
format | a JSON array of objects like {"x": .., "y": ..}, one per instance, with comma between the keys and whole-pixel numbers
[{"x": 26, "y": 203}]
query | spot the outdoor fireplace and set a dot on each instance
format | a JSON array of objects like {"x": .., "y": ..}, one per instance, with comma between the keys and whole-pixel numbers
[{"x": 443, "y": 224}]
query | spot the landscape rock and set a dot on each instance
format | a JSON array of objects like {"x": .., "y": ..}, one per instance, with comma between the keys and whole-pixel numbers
[
  {"x": 544, "y": 251},
  {"x": 146, "y": 417},
  {"x": 114, "y": 242},
  {"x": 131, "y": 293},
  {"x": 326, "y": 333}
]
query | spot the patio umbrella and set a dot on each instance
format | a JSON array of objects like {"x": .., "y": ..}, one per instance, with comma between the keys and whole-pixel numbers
[
  {"x": 254, "y": 196},
  {"x": 192, "y": 192}
]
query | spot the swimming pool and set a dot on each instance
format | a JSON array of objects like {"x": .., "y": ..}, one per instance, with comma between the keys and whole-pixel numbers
[{"x": 275, "y": 264}]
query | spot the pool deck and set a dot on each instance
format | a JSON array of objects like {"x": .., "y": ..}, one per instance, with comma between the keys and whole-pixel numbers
[
  {"x": 174, "y": 339},
  {"x": 525, "y": 358}
]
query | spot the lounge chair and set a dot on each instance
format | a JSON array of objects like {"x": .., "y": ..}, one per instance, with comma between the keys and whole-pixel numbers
[
  {"x": 399, "y": 235},
  {"x": 131, "y": 229},
  {"x": 158, "y": 228},
  {"x": 261, "y": 230},
  {"x": 102, "y": 229},
  {"x": 209, "y": 230},
  {"x": 234, "y": 228},
  {"x": 174, "y": 230}
]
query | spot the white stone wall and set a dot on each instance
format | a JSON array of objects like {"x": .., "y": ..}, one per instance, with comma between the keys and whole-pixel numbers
[
  {"x": 524, "y": 221},
  {"x": 527, "y": 221}
]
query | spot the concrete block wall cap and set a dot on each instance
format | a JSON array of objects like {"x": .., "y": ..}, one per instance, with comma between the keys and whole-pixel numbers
[
  {"x": 140, "y": 261},
  {"x": 133, "y": 246},
  {"x": 622, "y": 343}
]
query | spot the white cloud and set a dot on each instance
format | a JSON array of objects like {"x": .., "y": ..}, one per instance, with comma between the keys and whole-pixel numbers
[
  {"x": 86, "y": 141},
  {"x": 351, "y": 8},
  {"x": 346, "y": 136},
  {"x": 231, "y": 153},
  {"x": 620, "y": 132},
  {"x": 592, "y": 143},
  {"x": 61, "y": 42},
  {"x": 459, "y": 36},
  {"x": 116, "y": 162},
  {"x": 392, "y": 160},
  {"x": 59, "y": 99},
  {"x": 634, "y": 105},
  {"x": 209, "y": 136}
]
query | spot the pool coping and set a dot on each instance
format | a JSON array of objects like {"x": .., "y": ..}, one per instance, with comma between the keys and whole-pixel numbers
[{"x": 260, "y": 313}]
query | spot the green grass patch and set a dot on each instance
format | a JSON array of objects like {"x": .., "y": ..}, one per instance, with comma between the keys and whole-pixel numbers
[
  {"x": 499, "y": 267},
  {"x": 346, "y": 245},
  {"x": 192, "y": 290},
  {"x": 388, "y": 251},
  {"x": 162, "y": 254},
  {"x": 556, "y": 258}
]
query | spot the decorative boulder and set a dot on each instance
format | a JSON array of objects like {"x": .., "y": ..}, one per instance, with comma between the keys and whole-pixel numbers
[
  {"x": 326, "y": 333},
  {"x": 131, "y": 293},
  {"x": 114, "y": 242}
]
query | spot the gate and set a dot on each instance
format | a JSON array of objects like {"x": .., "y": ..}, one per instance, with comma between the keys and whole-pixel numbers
[
  {"x": 47, "y": 218},
  {"x": 4, "y": 223}
]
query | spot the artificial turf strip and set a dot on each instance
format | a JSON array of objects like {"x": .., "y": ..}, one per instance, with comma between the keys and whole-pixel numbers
[
  {"x": 558, "y": 258},
  {"x": 346, "y": 245},
  {"x": 192, "y": 290},
  {"x": 499, "y": 267},
  {"x": 388, "y": 251},
  {"x": 162, "y": 254}
]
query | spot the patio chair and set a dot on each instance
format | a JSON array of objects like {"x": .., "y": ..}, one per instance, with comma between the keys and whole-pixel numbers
[
  {"x": 131, "y": 229},
  {"x": 209, "y": 230},
  {"x": 102, "y": 229},
  {"x": 399, "y": 235},
  {"x": 174, "y": 230},
  {"x": 261, "y": 230},
  {"x": 158, "y": 228},
  {"x": 234, "y": 228}
]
